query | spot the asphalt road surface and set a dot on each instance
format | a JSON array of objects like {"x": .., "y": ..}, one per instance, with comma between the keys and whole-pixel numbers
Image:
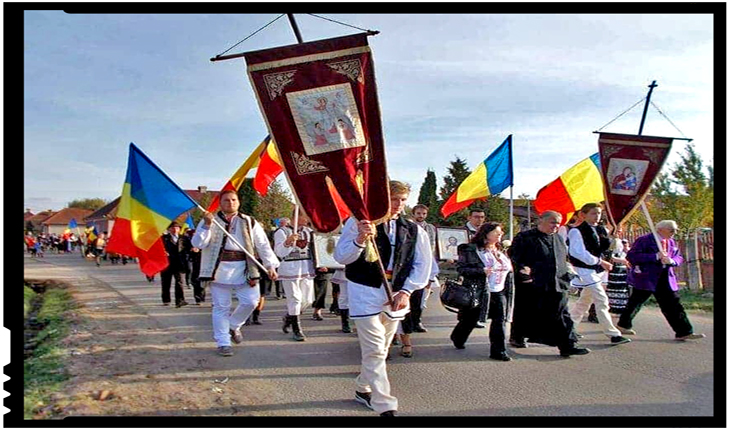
[{"x": 652, "y": 376}]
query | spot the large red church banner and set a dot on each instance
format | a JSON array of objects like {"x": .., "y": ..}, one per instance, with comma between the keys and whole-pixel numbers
[
  {"x": 320, "y": 104},
  {"x": 629, "y": 166}
]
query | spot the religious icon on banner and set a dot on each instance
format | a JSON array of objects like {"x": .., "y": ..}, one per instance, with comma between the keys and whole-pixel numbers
[
  {"x": 326, "y": 118},
  {"x": 629, "y": 165},
  {"x": 626, "y": 175},
  {"x": 320, "y": 103}
]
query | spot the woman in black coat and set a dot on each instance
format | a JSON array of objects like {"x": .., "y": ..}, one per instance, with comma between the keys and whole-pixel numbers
[{"x": 482, "y": 263}]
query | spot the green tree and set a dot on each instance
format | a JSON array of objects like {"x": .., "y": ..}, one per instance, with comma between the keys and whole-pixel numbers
[
  {"x": 276, "y": 204},
  {"x": 90, "y": 204},
  {"x": 456, "y": 173},
  {"x": 248, "y": 197},
  {"x": 427, "y": 196}
]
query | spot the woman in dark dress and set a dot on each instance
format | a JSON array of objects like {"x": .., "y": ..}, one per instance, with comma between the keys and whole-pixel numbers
[
  {"x": 617, "y": 288},
  {"x": 482, "y": 263}
]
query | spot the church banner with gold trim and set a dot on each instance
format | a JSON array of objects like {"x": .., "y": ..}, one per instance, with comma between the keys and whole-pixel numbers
[
  {"x": 320, "y": 103},
  {"x": 629, "y": 166}
]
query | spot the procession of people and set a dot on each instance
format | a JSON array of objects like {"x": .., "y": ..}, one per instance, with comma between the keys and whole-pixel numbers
[{"x": 386, "y": 303}]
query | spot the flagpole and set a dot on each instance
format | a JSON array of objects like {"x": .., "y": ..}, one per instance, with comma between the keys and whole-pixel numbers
[
  {"x": 511, "y": 214},
  {"x": 511, "y": 186},
  {"x": 643, "y": 204},
  {"x": 296, "y": 218}
]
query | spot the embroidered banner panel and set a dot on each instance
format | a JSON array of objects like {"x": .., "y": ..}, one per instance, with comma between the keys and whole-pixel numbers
[
  {"x": 629, "y": 166},
  {"x": 320, "y": 103}
]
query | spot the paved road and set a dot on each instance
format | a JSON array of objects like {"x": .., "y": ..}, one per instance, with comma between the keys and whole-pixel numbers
[{"x": 652, "y": 376}]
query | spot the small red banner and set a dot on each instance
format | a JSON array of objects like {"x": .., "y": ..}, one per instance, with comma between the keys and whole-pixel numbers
[{"x": 629, "y": 166}]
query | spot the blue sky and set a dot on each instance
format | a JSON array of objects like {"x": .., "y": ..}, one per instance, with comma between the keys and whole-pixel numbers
[{"x": 449, "y": 85}]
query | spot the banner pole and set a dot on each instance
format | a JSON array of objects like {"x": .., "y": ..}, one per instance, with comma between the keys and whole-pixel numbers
[
  {"x": 643, "y": 205},
  {"x": 388, "y": 289}
]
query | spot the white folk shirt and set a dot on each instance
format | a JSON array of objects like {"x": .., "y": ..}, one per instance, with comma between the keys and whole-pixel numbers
[
  {"x": 368, "y": 301},
  {"x": 500, "y": 265},
  {"x": 233, "y": 272},
  {"x": 577, "y": 249},
  {"x": 295, "y": 269}
]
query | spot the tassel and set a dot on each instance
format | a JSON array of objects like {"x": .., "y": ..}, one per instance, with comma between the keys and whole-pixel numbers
[{"x": 371, "y": 254}]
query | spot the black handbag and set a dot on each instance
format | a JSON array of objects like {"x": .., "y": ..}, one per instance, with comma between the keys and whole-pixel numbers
[{"x": 460, "y": 295}]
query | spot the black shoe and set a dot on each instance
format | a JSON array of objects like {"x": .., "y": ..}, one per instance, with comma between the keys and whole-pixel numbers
[
  {"x": 317, "y": 317},
  {"x": 480, "y": 325},
  {"x": 345, "y": 318},
  {"x": 236, "y": 335},
  {"x": 363, "y": 398},
  {"x": 500, "y": 357},
  {"x": 388, "y": 414},
  {"x": 574, "y": 351},
  {"x": 181, "y": 304},
  {"x": 287, "y": 323},
  {"x": 419, "y": 328},
  {"x": 457, "y": 345},
  {"x": 518, "y": 343},
  {"x": 298, "y": 335},
  {"x": 255, "y": 317},
  {"x": 165, "y": 303},
  {"x": 618, "y": 340}
]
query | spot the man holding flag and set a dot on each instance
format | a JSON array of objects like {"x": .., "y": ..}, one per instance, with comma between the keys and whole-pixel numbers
[{"x": 230, "y": 268}]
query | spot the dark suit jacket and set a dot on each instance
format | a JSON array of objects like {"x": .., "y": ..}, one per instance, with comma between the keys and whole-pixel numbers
[
  {"x": 175, "y": 253},
  {"x": 548, "y": 270}
]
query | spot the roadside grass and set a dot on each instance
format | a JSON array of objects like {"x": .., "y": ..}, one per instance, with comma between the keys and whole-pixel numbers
[
  {"x": 28, "y": 296},
  {"x": 43, "y": 370}
]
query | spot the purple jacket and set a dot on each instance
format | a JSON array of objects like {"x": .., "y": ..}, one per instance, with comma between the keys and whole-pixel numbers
[{"x": 646, "y": 269}]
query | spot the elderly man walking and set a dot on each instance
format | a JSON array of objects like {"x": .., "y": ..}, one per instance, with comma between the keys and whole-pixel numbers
[
  {"x": 652, "y": 272},
  {"x": 539, "y": 258}
]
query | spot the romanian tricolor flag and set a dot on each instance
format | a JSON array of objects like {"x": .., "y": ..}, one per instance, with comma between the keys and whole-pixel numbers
[
  {"x": 91, "y": 233},
  {"x": 579, "y": 185},
  {"x": 188, "y": 224},
  {"x": 237, "y": 179},
  {"x": 150, "y": 202},
  {"x": 491, "y": 177},
  {"x": 270, "y": 166}
]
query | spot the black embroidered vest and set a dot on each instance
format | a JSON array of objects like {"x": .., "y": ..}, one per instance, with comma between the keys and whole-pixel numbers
[
  {"x": 596, "y": 242},
  {"x": 368, "y": 273}
]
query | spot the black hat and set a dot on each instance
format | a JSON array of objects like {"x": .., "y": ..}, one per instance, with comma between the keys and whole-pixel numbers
[{"x": 174, "y": 224}]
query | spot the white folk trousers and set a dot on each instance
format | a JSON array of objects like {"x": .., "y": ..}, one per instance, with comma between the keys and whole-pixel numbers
[
  {"x": 299, "y": 294},
  {"x": 225, "y": 320},
  {"x": 375, "y": 334},
  {"x": 595, "y": 294}
]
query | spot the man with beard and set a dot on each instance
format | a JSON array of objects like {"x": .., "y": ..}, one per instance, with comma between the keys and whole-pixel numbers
[
  {"x": 542, "y": 279},
  {"x": 231, "y": 270}
]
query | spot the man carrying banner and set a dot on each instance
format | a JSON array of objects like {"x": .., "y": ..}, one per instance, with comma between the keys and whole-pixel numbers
[
  {"x": 229, "y": 269},
  {"x": 405, "y": 252},
  {"x": 588, "y": 242},
  {"x": 652, "y": 272}
]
